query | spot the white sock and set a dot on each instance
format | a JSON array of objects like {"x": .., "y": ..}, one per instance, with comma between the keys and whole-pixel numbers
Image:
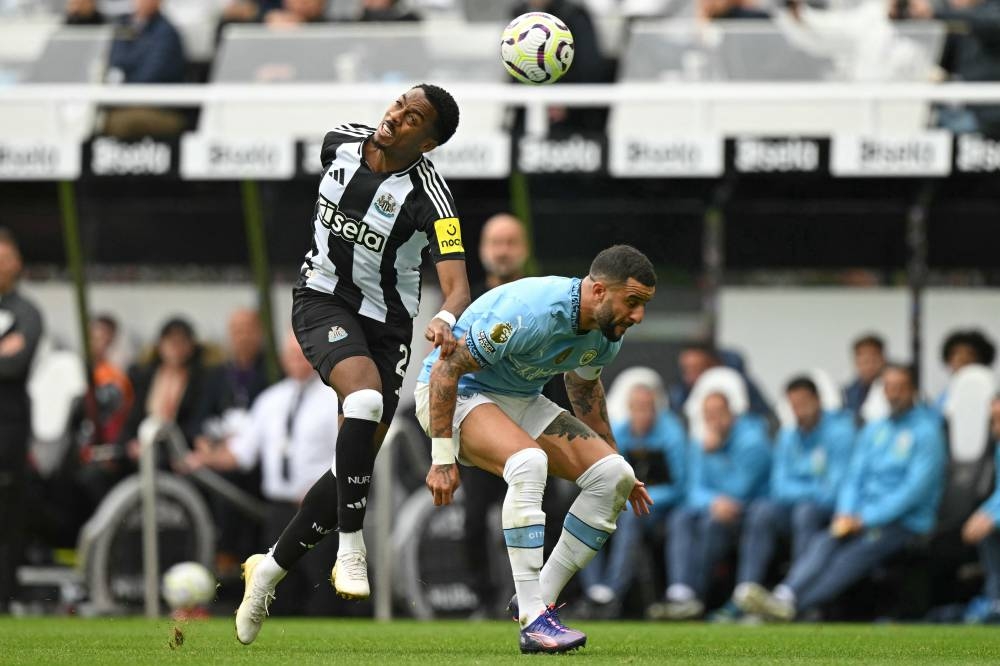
[
  {"x": 269, "y": 570},
  {"x": 785, "y": 594},
  {"x": 605, "y": 486},
  {"x": 679, "y": 592},
  {"x": 351, "y": 542},
  {"x": 523, "y": 524}
]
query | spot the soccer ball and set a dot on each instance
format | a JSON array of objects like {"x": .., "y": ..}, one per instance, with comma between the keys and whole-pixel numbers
[
  {"x": 536, "y": 48},
  {"x": 188, "y": 584}
]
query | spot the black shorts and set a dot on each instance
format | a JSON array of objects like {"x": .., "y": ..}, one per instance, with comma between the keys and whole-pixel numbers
[{"x": 328, "y": 330}]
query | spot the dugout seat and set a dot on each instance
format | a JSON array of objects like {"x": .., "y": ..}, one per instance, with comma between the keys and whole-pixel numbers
[
  {"x": 728, "y": 382},
  {"x": 617, "y": 395}
]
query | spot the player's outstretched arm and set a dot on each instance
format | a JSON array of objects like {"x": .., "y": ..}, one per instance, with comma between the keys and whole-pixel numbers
[
  {"x": 455, "y": 286},
  {"x": 590, "y": 405},
  {"x": 442, "y": 479}
]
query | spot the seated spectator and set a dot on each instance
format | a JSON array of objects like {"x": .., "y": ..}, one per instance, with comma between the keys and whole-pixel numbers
[
  {"x": 291, "y": 433},
  {"x": 962, "y": 348},
  {"x": 296, "y": 12},
  {"x": 869, "y": 361},
  {"x": 889, "y": 498},
  {"x": 386, "y": 10},
  {"x": 971, "y": 54},
  {"x": 980, "y": 530},
  {"x": 83, "y": 12},
  {"x": 695, "y": 358},
  {"x": 653, "y": 441},
  {"x": 726, "y": 471},
  {"x": 810, "y": 463},
  {"x": 589, "y": 64},
  {"x": 147, "y": 49},
  {"x": 112, "y": 388},
  {"x": 248, "y": 11}
]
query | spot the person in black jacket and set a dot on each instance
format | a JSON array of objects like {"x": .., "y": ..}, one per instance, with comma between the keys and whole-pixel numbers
[{"x": 20, "y": 331}]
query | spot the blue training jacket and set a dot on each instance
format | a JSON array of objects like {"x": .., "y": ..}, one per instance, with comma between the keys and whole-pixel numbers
[
  {"x": 738, "y": 469},
  {"x": 810, "y": 466},
  {"x": 662, "y": 449},
  {"x": 992, "y": 503},
  {"x": 897, "y": 472}
]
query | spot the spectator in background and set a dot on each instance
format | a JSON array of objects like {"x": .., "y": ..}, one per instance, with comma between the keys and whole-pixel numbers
[
  {"x": 726, "y": 471},
  {"x": 695, "y": 358},
  {"x": 972, "y": 53},
  {"x": 589, "y": 65},
  {"x": 20, "y": 331},
  {"x": 713, "y": 10},
  {"x": 962, "y": 348},
  {"x": 147, "y": 49},
  {"x": 869, "y": 361},
  {"x": 980, "y": 530},
  {"x": 889, "y": 497},
  {"x": 289, "y": 434},
  {"x": 231, "y": 389},
  {"x": 112, "y": 388},
  {"x": 653, "y": 441},
  {"x": 248, "y": 11},
  {"x": 296, "y": 12},
  {"x": 386, "y": 10},
  {"x": 83, "y": 12},
  {"x": 503, "y": 252},
  {"x": 810, "y": 463}
]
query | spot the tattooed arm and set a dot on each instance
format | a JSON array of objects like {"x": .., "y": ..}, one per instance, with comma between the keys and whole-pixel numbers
[
  {"x": 589, "y": 405},
  {"x": 442, "y": 479}
]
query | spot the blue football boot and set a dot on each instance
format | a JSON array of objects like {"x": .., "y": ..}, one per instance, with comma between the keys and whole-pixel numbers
[{"x": 547, "y": 635}]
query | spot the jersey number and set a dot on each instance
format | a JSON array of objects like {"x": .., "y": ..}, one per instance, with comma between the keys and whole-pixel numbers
[{"x": 401, "y": 366}]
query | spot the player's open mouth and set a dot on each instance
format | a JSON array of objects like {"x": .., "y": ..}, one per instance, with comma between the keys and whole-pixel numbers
[{"x": 386, "y": 130}]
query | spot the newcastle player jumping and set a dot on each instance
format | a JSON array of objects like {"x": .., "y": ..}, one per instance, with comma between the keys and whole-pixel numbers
[{"x": 380, "y": 204}]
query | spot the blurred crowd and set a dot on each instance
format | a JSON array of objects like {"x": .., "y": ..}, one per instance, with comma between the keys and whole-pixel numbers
[
  {"x": 762, "y": 511},
  {"x": 149, "y": 48}
]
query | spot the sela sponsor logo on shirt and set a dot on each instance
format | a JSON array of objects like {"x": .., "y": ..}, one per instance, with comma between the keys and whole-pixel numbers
[
  {"x": 25, "y": 159},
  {"x": 666, "y": 156},
  {"x": 349, "y": 229},
  {"x": 336, "y": 334},
  {"x": 977, "y": 153},
  {"x": 576, "y": 154},
  {"x": 449, "y": 235},
  {"x": 755, "y": 155},
  {"x": 111, "y": 157},
  {"x": 924, "y": 154}
]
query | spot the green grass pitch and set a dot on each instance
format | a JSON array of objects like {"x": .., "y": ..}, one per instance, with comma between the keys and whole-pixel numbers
[{"x": 111, "y": 641}]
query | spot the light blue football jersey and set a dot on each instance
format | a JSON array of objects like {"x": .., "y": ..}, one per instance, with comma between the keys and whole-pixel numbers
[{"x": 523, "y": 333}]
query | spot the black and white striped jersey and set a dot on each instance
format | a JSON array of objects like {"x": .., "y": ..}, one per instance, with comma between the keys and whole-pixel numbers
[{"x": 369, "y": 229}]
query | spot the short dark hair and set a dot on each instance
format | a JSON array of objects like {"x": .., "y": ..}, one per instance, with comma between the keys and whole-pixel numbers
[
  {"x": 703, "y": 346},
  {"x": 869, "y": 340},
  {"x": 985, "y": 350},
  {"x": 907, "y": 369},
  {"x": 178, "y": 325},
  {"x": 106, "y": 319},
  {"x": 618, "y": 263},
  {"x": 801, "y": 382},
  {"x": 447, "y": 111}
]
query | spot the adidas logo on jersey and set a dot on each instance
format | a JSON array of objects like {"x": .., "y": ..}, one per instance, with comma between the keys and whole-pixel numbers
[
  {"x": 336, "y": 334},
  {"x": 348, "y": 228},
  {"x": 358, "y": 505}
]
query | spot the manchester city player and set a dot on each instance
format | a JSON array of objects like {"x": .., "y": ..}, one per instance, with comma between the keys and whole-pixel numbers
[{"x": 483, "y": 406}]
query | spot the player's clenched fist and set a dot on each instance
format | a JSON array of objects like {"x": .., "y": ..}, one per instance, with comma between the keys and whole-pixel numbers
[{"x": 443, "y": 481}]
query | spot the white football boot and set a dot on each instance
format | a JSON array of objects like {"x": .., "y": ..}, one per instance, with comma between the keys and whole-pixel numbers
[
  {"x": 257, "y": 597},
  {"x": 350, "y": 575}
]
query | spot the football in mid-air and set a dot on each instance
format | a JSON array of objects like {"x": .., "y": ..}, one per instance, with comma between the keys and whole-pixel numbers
[
  {"x": 536, "y": 48},
  {"x": 187, "y": 585}
]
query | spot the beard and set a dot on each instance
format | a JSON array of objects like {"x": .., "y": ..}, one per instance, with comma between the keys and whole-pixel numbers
[{"x": 606, "y": 322}]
